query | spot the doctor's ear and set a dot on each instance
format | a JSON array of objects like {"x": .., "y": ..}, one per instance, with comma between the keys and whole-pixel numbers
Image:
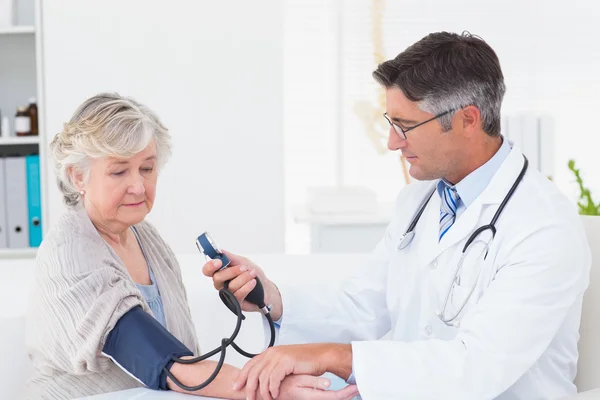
[{"x": 471, "y": 120}]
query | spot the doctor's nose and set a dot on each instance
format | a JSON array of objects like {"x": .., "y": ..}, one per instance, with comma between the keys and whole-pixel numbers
[{"x": 395, "y": 142}]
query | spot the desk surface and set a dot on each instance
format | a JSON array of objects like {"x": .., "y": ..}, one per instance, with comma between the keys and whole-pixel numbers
[{"x": 145, "y": 394}]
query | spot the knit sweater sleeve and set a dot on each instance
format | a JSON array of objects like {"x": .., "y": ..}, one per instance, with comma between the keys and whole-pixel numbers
[{"x": 78, "y": 298}]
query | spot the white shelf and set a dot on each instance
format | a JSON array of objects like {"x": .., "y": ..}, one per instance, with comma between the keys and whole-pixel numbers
[
  {"x": 16, "y": 140},
  {"x": 28, "y": 252},
  {"x": 17, "y": 30}
]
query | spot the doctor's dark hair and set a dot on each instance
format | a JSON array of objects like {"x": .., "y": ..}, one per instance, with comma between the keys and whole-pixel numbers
[{"x": 445, "y": 71}]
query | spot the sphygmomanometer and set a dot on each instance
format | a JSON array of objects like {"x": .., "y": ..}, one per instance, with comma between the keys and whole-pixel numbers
[{"x": 145, "y": 349}]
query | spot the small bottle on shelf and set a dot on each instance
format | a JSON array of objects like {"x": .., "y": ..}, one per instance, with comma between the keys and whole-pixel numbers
[
  {"x": 33, "y": 116},
  {"x": 22, "y": 122}
]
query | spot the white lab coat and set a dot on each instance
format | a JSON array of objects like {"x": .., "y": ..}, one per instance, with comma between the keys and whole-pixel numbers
[{"x": 518, "y": 333}]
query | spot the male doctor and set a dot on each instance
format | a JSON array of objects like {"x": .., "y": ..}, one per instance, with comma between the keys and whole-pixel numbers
[{"x": 500, "y": 324}]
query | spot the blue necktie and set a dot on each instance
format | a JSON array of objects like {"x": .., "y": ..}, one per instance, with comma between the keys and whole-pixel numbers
[{"x": 448, "y": 208}]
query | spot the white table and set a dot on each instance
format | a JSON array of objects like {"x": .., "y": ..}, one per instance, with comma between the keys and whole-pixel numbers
[{"x": 146, "y": 394}]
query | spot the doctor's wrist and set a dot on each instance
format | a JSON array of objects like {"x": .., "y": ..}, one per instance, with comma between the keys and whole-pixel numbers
[
  {"x": 338, "y": 360},
  {"x": 275, "y": 301}
]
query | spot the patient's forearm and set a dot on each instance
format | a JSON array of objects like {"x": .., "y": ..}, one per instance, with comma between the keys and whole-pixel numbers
[{"x": 195, "y": 374}]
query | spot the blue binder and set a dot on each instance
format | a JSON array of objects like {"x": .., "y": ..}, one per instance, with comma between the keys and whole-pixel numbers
[{"x": 34, "y": 204}]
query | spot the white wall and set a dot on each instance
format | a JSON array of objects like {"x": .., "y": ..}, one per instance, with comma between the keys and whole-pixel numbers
[
  {"x": 548, "y": 51},
  {"x": 213, "y": 73},
  {"x": 550, "y": 57}
]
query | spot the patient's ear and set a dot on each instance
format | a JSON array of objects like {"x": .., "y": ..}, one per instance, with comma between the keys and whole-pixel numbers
[{"x": 76, "y": 176}]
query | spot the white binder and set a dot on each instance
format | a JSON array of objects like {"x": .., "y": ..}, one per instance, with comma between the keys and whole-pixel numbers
[
  {"x": 16, "y": 202},
  {"x": 3, "y": 224}
]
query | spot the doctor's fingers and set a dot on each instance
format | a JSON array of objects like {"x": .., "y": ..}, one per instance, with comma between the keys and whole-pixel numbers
[
  {"x": 264, "y": 384},
  {"x": 241, "y": 280},
  {"x": 252, "y": 383},
  {"x": 276, "y": 377},
  {"x": 270, "y": 379},
  {"x": 347, "y": 393},
  {"x": 211, "y": 267},
  {"x": 250, "y": 375},
  {"x": 308, "y": 387},
  {"x": 242, "y": 293},
  {"x": 237, "y": 259},
  {"x": 228, "y": 274}
]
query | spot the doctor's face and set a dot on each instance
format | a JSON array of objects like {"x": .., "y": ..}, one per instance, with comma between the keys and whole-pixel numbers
[{"x": 431, "y": 152}]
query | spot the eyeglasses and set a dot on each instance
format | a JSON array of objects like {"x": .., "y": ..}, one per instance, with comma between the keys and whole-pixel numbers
[{"x": 402, "y": 132}]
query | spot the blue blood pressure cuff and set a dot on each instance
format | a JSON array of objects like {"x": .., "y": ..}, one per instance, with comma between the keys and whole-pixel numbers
[{"x": 141, "y": 346}]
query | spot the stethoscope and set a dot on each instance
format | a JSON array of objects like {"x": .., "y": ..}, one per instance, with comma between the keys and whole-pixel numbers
[{"x": 409, "y": 235}]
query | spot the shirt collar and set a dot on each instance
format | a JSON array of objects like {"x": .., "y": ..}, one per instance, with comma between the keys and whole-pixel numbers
[{"x": 475, "y": 183}]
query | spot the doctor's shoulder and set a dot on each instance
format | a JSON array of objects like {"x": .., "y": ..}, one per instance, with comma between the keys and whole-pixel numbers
[
  {"x": 542, "y": 213},
  {"x": 541, "y": 199}
]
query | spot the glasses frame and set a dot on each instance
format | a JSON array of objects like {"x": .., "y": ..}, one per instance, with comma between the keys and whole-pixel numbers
[{"x": 402, "y": 132}]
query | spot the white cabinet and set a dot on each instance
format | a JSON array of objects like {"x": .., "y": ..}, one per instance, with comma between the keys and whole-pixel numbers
[
  {"x": 345, "y": 232},
  {"x": 20, "y": 80}
]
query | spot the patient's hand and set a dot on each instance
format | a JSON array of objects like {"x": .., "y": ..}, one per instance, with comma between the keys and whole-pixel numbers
[
  {"x": 241, "y": 273},
  {"x": 307, "y": 387}
]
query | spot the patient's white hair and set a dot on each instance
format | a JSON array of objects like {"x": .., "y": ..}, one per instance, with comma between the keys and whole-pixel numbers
[{"x": 106, "y": 125}]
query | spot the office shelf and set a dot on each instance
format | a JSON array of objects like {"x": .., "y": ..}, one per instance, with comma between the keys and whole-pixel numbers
[
  {"x": 28, "y": 252},
  {"x": 17, "y": 30},
  {"x": 19, "y": 140}
]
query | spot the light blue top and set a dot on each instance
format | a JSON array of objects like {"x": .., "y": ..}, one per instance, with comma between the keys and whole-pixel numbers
[
  {"x": 475, "y": 183},
  {"x": 150, "y": 292},
  {"x": 469, "y": 189}
]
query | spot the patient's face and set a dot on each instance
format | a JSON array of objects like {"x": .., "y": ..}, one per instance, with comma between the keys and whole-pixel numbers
[{"x": 121, "y": 191}]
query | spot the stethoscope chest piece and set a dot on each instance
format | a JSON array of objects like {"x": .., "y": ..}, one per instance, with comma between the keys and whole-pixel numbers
[{"x": 405, "y": 240}]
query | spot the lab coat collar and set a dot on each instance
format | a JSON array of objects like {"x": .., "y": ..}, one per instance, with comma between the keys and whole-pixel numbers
[{"x": 429, "y": 248}]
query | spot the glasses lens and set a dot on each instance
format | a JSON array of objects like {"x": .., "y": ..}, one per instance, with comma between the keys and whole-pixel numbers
[
  {"x": 396, "y": 127},
  {"x": 399, "y": 132}
]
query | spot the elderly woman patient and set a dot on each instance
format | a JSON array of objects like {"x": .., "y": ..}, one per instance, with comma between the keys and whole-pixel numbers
[{"x": 103, "y": 269}]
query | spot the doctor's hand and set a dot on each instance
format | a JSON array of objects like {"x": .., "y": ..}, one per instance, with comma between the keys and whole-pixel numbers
[
  {"x": 241, "y": 273},
  {"x": 264, "y": 373},
  {"x": 307, "y": 387}
]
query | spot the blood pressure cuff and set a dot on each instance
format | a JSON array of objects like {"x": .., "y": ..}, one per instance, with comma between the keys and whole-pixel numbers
[{"x": 142, "y": 347}]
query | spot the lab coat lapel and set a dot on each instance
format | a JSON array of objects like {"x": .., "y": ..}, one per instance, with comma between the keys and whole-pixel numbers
[
  {"x": 430, "y": 248},
  {"x": 427, "y": 236}
]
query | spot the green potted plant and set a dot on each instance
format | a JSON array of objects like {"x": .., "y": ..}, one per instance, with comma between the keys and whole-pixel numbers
[
  {"x": 587, "y": 375},
  {"x": 586, "y": 204}
]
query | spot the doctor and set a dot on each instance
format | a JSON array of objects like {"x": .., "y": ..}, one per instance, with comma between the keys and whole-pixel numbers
[{"x": 498, "y": 319}]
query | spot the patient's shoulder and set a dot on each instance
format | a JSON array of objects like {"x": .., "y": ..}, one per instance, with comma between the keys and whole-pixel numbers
[
  {"x": 153, "y": 241},
  {"x": 73, "y": 223},
  {"x": 73, "y": 245}
]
